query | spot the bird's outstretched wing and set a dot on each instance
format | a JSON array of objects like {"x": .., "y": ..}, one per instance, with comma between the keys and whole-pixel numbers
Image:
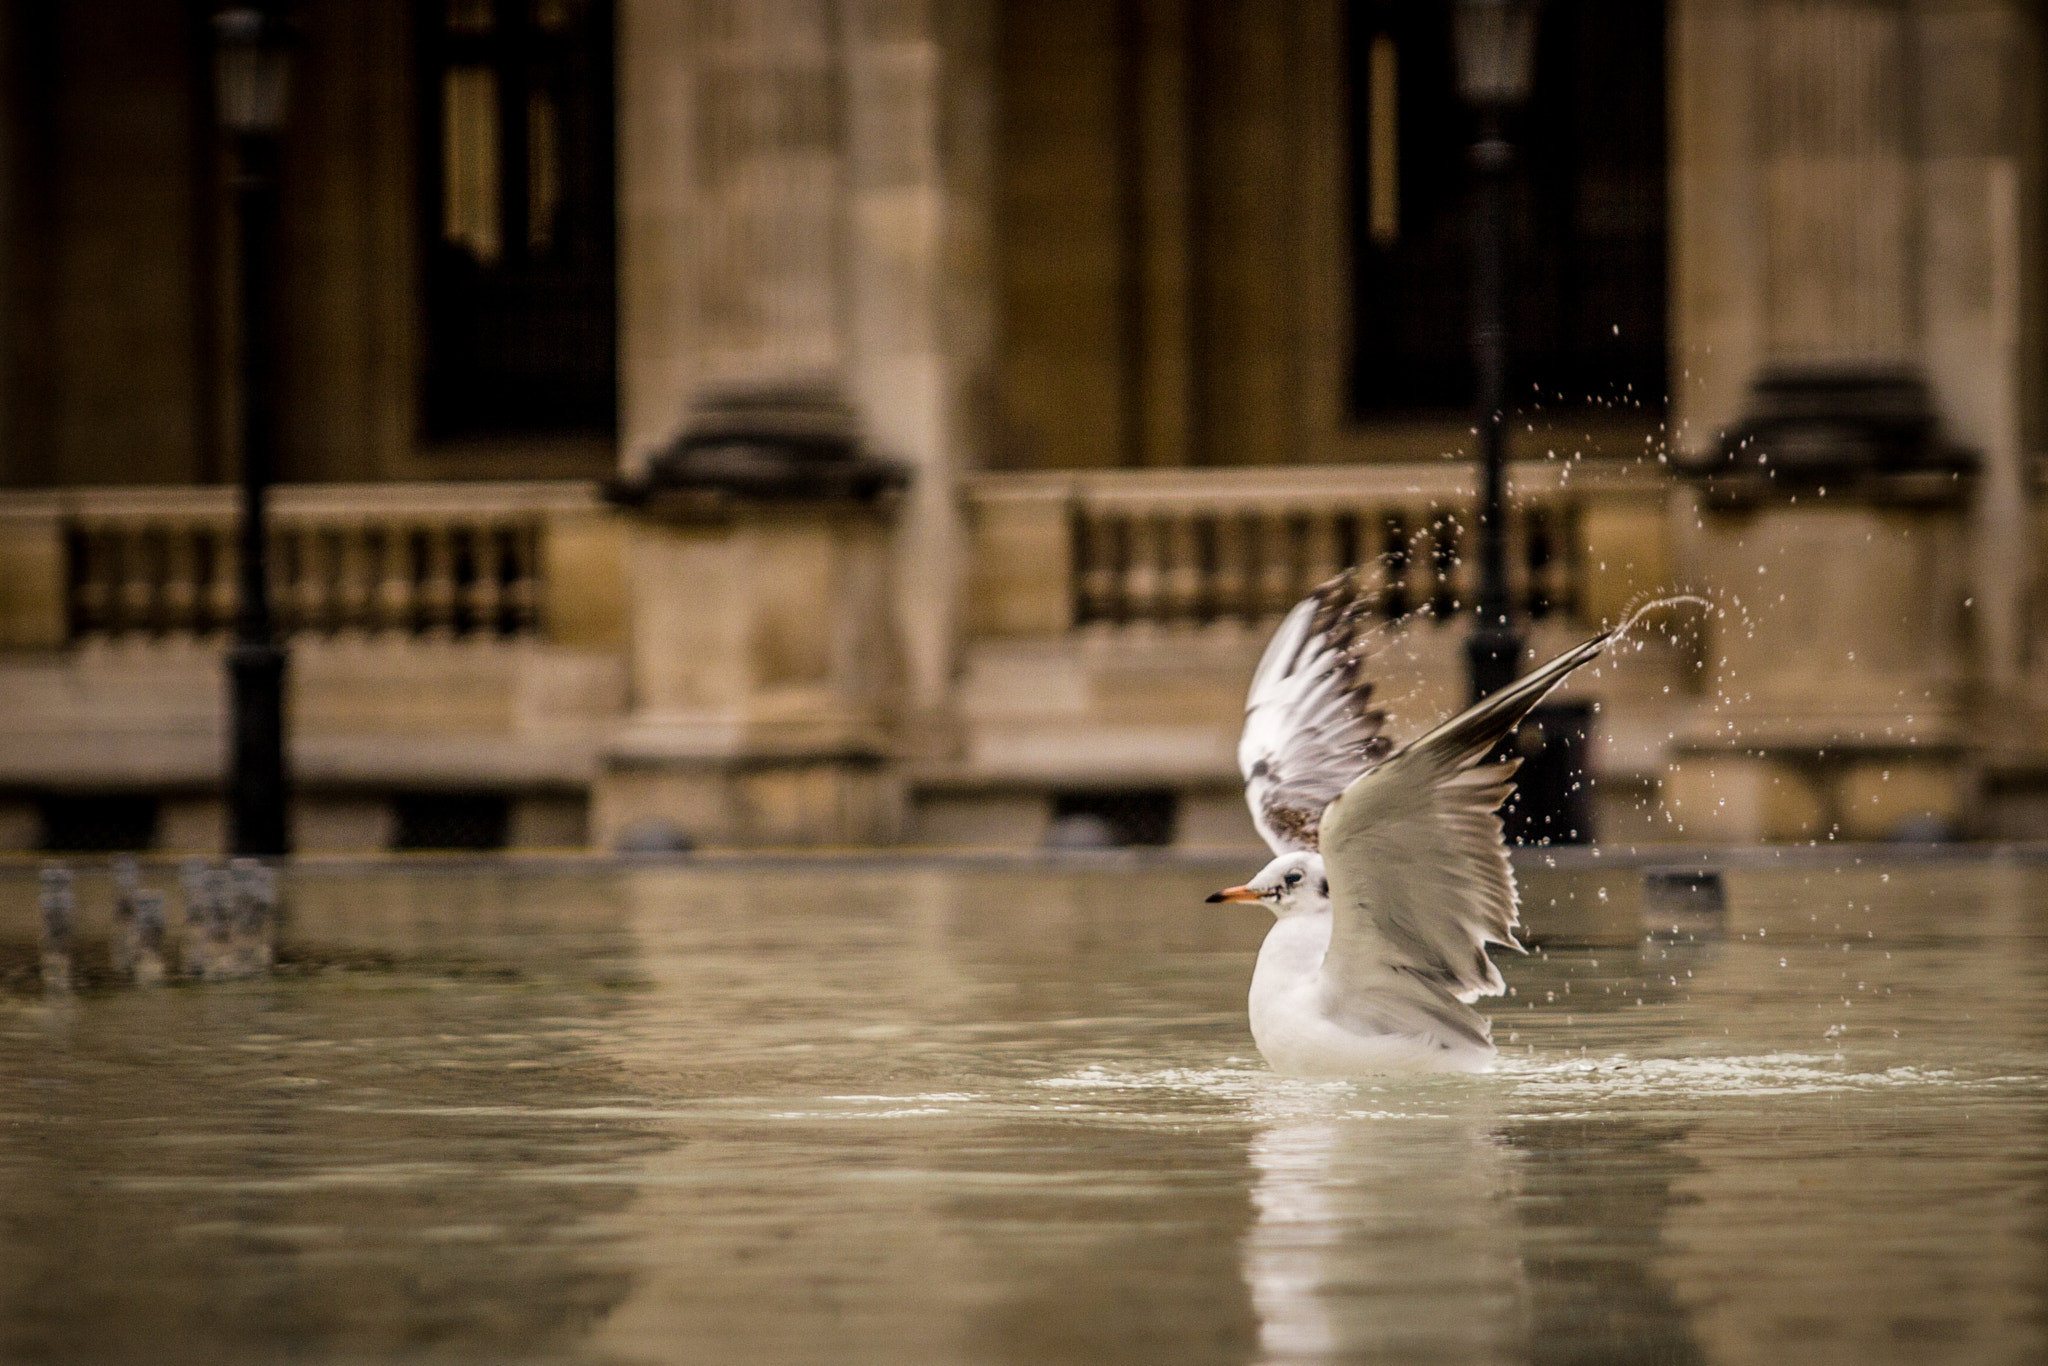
[
  {"x": 1419, "y": 879},
  {"x": 1309, "y": 727}
]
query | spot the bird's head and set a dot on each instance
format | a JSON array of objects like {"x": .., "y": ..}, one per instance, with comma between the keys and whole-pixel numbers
[{"x": 1293, "y": 884}]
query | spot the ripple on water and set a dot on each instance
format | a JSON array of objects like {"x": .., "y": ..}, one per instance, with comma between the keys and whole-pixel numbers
[
  {"x": 1265, "y": 1096},
  {"x": 1770, "y": 1074}
]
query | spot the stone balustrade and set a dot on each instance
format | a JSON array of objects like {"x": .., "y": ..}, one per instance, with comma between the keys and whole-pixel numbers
[
  {"x": 1113, "y": 549},
  {"x": 450, "y": 561}
]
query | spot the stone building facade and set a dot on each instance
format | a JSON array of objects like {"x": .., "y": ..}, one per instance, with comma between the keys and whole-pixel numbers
[{"x": 1152, "y": 313}]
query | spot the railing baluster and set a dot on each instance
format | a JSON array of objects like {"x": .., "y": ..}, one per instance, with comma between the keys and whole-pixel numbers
[
  {"x": 1298, "y": 550},
  {"x": 1180, "y": 566},
  {"x": 286, "y": 564},
  {"x": 1142, "y": 577},
  {"x": 1537, "y": 557},
  {"x": 1345, "y": 541},
  {"x": 180, "y": 601},
  {"x": 1275, "y": 563},
  {"x": 332, "y": 609},
  {"x": 1120, "y": 550},
  {"x": 81, "y": 609},
  {"x": 355, "y": 581},
  {"x": 1398, "y": 553},
  {"x": 1248, "y": 566},
  {"x": 1319, "y": 547},
  {"x": 391, "y": 580},
  {"x": 1205, "y": 535},
  {"x": 1234, "y": 566},
  {"x": 1363, "y": 533},
  {"x": 227, "y": 575},
  {"x": 1443, "y": 565},
  {"x": 316, "y": 577},
  {"x": 398, "y": 605},
  {"x": 114, "y": 569},
  {"x": 1096, "y": 579},
  {"x": 437, "y": 580},
  {"x": 522, "y": 615},
  {"x": 486, "y": 549}
]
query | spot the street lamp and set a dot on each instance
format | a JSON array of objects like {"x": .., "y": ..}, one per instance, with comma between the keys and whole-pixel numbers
[
  {"x": 1496, "y": 48},
  {"x": 251, "y": 78}
]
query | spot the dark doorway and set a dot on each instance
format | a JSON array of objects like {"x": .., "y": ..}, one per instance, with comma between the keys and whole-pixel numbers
[
  {"x": 1586, "y": 211},
  {"x": 517, "y": 218}
]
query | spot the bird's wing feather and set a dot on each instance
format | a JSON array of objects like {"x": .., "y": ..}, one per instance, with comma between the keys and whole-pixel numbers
[
  {"x": 1419, "y": 879},
  {"x": 1309, "y": 728}
]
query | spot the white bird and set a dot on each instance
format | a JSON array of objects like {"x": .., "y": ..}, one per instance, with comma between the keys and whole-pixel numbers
[{"x": 1391, "y": 877}]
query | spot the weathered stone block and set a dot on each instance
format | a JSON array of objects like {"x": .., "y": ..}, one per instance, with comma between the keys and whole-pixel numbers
[{"x": 1741, "y": 799}]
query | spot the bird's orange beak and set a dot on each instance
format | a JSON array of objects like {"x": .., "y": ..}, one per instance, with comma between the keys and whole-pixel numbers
[{"x": 1234, "y": 894}]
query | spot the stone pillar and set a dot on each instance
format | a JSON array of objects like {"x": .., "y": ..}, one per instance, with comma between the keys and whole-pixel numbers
[
  {"x": 733, "y": 199},
  {"x": 1832, "y": 125},
  {"x": 920, "y": 151},
  {"x": 1838, "y": 671}
]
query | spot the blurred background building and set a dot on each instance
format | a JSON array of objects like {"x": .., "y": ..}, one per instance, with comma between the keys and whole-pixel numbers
[{"x": 853, "y": 421}]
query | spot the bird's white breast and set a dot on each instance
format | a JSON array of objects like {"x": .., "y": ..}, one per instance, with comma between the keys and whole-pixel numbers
[{"x": 1293, "y": 1027}]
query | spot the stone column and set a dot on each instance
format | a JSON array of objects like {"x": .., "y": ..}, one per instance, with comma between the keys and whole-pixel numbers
[
  {"x": 733, "y": 201},
  {"x": 1716, "y": 276},
  {"x": 919, "y": 160}
]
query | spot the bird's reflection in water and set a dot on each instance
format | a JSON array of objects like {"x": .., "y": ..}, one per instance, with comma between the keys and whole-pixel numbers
[
  {"x": 1405, "y": 1235},
  {"x": 1288, "y": 1253},
  {"x": 1381, "y": 1234}
]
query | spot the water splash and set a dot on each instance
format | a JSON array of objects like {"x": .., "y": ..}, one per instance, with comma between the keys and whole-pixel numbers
[{"x": 1637, "y": 611}]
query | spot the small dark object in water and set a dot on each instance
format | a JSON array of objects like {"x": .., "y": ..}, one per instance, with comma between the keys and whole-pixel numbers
[
  {"x": 1081, "y": 830},
  {"x": 1683, "y": 902},
  {"x": 58, "y": 902},
  {"x": 1922, "y": 829},
  {"x": 653, "y": 837}
]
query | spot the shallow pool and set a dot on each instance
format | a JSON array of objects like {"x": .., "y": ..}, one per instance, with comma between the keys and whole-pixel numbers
[{"x": 890, "y": 1111}]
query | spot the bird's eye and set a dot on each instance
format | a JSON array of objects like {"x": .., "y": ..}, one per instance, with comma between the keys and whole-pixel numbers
[{"x": 1293, "y": 879}]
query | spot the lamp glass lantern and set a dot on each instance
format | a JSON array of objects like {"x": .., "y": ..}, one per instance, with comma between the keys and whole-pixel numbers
[
  {"x": 1496, "y": 48},
  {"x": 251, "y": 71}
]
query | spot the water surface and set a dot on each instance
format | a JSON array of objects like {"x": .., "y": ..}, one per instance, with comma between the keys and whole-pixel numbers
[{"x": 896, "y": 1112}]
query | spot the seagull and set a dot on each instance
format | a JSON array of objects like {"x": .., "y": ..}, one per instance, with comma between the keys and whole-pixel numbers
[{"x": 1391, "y": 876}]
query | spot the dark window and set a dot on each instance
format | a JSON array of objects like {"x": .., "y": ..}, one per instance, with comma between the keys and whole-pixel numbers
[
  {"x": 98, "y": 822},
  {"x": 1586, "y": 272},
  {"x": 516, "y": 117},
  {"x": 451, "y": 820}
]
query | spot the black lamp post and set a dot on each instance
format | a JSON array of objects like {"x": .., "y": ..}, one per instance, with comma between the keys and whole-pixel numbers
[
  {"x": 1496, "y": 47},
  {"x": 251, "y": 74}
]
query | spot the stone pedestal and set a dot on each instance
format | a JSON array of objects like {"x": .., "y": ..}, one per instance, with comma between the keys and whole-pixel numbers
[
  {"x": 763, "y": 667},
  {"x": 1836, "y": 676}
]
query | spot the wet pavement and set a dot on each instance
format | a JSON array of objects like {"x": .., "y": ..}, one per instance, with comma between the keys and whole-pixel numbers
[{"x": 886, "y": 1110}]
